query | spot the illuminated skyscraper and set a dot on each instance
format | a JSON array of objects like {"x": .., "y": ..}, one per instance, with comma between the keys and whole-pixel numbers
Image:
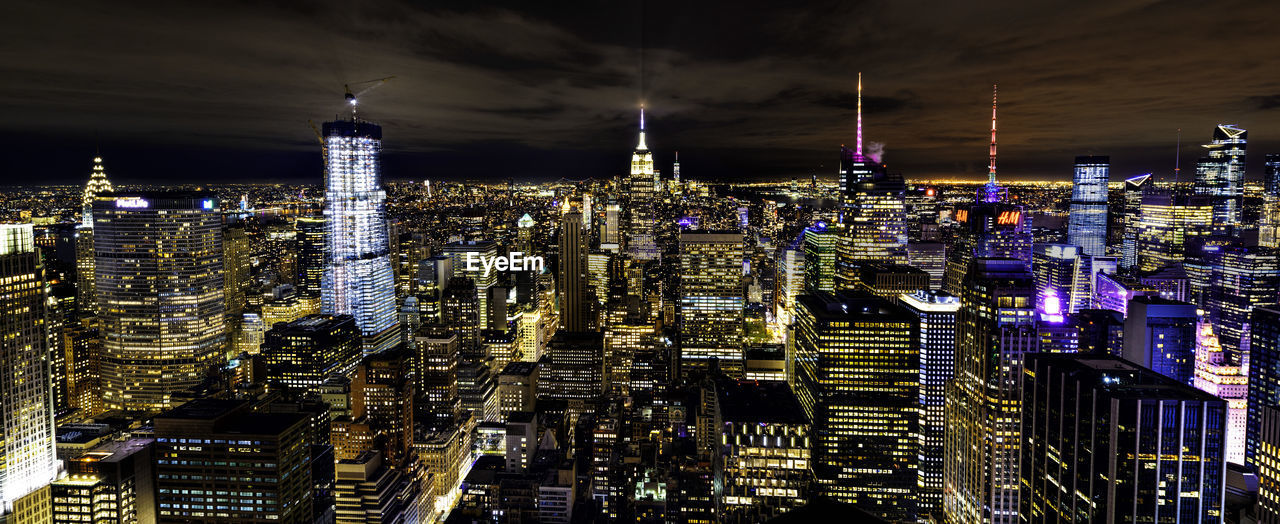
[
  {"x": 1105, "y": 440},
  {"x": 1269, "y": 221},
  {"x": 1220, "y": 176},
  {"x": 711, "y": 300},
  {"x": 304, "y": 353},
  {"x": 820, "y": 258},
  {"x": 1264, "y": 381},
  {"x": 258, "y": 464},
  {"x": 857, "y": 378},
  {"x": 1267, "y": 464},
  {"x": 85, "y": 288},
  {"x": 936, "y": 313},
  {"x": 310, "y": 239},
  {"x": 98, "y": 184},
  {"x": 574, "y": 309},
  {"x": 460, "y": 312},
  {"x": 382, "y": 393},
  {"x": 995, "y": 328},
  {"x": 1134, "y": 187},
  {"x": 27, "y": 458},
  {"x": 874, "y": 212},
  {"x": 1240, "y": 278},
  {"x": 765, "y": 444},
  {"x": 358, "y": 279},
  {"x": 1088, "y": 220},
  {"x": 573, "y": 370},
  {"x": 930, "y": 257},
  {"x": 1063, "y": 276},
  {"x": 435, "y": 374},
  {"x": 641, "y": 193},
  {"x": 483, "y": 279},
  {"x": 1168, "y": 221},
  {"x": 789, "y": 282},
  {"x": 235, "y": 269},
  {"x": 1160, "y": 335},
  {"x": 990, "y": 228},
  {"x": 160, "y": 295},
  {"x": 1217, "y": 377}
]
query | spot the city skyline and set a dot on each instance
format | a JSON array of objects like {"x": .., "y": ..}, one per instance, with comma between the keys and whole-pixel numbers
[
  {"x": 874, "y": 342},
  {"x": 492, "y": 92}
]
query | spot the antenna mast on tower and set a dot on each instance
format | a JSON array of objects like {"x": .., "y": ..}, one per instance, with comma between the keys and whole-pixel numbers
[
  {"x": 858, "y": 146},
  {"x": 991, "y": 173}
]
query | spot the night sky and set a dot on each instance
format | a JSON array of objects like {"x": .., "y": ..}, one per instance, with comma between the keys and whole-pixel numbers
[{"x": 222, "y": 91}]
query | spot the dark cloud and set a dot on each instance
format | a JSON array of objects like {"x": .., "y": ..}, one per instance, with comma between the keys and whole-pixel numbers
[
  {"x": 224, "y": 90},
  {"x": 1265, "y": 102}
]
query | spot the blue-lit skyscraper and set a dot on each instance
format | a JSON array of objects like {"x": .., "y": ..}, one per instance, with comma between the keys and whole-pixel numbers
[
  {"x": 1269, "y": 222},
  {"x": 936, "y": 312},
  {"x": 1264, "y": 374},
  {"x": 1088, "y": 222},
  {"x": 1160, "y": 334},
  {"x": 1220, "y": 175},
  {"x": 358, "y": 280}
]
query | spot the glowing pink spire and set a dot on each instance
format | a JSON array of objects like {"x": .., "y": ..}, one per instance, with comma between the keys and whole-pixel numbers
[
  {"x": 858, "y": 151},
  {"x": 991, "y": 174}
]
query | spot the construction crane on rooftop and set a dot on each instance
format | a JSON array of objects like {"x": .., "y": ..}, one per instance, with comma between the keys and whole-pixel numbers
[{"x": 352, "y": 99}]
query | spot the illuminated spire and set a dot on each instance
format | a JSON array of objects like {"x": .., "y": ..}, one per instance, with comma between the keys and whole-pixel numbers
[
  {"x": 991, "y": 174},
  {"x": 98, "y": 183},
  {"x": 642, "y": 146},
  {"x": 992, "y": 192},
  {"x": 858, "y": 151}
]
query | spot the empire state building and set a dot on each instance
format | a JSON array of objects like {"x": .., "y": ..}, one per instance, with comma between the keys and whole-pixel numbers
[{"x": 643, "y": 185}]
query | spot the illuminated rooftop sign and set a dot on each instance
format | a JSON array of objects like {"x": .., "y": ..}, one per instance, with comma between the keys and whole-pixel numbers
[{"x": 132, "y": 203}]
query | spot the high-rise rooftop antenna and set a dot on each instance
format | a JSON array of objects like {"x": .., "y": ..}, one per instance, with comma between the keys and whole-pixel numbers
[
  {"x": 1177, "y": 160},
  {"x": 991, "y": 169},
  {"x": 858, "y": 150}
]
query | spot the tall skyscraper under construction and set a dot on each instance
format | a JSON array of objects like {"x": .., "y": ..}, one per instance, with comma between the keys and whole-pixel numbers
[{"x": 358, "y": 279}]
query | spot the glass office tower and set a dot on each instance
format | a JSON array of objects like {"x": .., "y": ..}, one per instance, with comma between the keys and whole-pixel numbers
[
  {"x": 1220, "y": 176},
  {"x": 1087, "y": 226},
  {"x": 159, "y": 275}
]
